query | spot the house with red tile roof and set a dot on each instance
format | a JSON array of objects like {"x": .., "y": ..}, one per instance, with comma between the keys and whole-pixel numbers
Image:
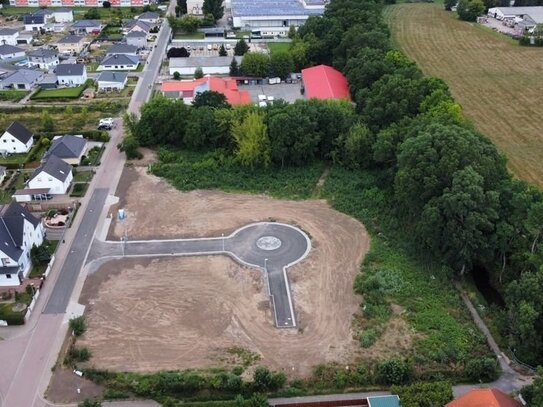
[
  {"x": 187, "y": 90},
  {"x": 325, "y": 82},
  {"x": 484, "y": 398}
]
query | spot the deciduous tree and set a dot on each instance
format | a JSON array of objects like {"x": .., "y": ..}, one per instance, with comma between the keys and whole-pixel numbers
[{"x": 252, "y": 142}]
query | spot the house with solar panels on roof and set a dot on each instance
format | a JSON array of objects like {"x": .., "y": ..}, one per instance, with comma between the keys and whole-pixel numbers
[{"x": 273, "y": 18}]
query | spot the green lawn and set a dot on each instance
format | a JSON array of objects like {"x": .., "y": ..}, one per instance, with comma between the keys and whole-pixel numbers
[
  {"x": 13, "y": 159},
  {"x": 12, "y": 95},
  {"x": 275, "y": 47},
  {"x": 62, "y": 93},
  {"x": 79, "y": 190},
  {"x": 193, "y": 36},
  {"x": 82, "y": 176},
  {"x": 241, "y": 34}
]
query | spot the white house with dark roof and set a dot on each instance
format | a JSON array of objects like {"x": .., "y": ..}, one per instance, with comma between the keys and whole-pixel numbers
[
  {"x": 71, "y": 74},
  {"x": 21, "y": 79},
  {"x": 110, "y": 80},
  {"x": 19, "y": 232},
  {"x": 137, "y": 39},
  {"x": 43, "y": 58},
  {"x": 71, "y": 44},
  {"x": 119, "y": 62},
  {"x": 11, "y": 52},
  {"x": 63, "y": 15},
  {"x": 122, "y": 49},
  {"x": 54, "y": 174},
  {"x": 16, "y": 139},
  {"x": 34, "y": 22},
  {"x": 8, "y": 36},
  {"x": 135, "y": 25},
  {"x": 69, "y": 149}
]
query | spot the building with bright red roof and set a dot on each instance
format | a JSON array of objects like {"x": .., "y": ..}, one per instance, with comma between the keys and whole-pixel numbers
[
  {"x": 325, "y": 82},
  {"x": 187, "y": 90},
  {"x": 484, "y": 398}
]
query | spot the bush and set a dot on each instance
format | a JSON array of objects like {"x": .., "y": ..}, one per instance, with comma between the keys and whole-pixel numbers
[
  {"x": 90, "y": 403},
  {"x": 78, "y": 325},
  {"x": 482, "y": 370},
  {"x": 80, "y": 354},
  {"x": 424, "y": 394},
  {"x": 112, "y": 394},
  {"x": 394, "y": 371},
  {"x": 368, "y": 337}
]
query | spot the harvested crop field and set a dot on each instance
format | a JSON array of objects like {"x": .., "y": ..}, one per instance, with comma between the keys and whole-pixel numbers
[
  {"x": 199, "y": 312},
  {"x": 497, "y": 83}
]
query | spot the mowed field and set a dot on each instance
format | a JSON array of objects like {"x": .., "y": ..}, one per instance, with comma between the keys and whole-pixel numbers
[{"x": 497, "y": 83}]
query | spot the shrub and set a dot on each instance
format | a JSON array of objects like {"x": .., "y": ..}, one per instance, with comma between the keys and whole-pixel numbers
[
  {"x": 424, "y": 394},
  {"x": 79, "y": 354},
  {"x": 90, "y": 403},
  {"x": 113, "y": 394},
  {"x": 394, "y": 371},
  {"x": 482, "y": 370},
  {"x": 78, "y": 325},
  {"x": 368, "y": 337}
]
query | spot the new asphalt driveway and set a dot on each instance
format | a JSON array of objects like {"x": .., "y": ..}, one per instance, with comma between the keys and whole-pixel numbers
[{"x": 272, "y": 247}]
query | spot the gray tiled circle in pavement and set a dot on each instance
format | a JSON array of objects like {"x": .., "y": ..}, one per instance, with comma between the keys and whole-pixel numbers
[{"x": 268, "y": 243}]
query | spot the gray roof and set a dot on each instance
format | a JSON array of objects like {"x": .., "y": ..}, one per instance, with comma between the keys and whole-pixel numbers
[
  {"x": 20, "y": 132},
  {"x": 535, "y": 13},
  {"x": 54, "y": 167},
  {"x": 33, "y": 19},
  {"x": 70, "y": 39},
  {"x": 194, "y": 62},
  {"x": 122, "y": 49},
  {"x": 149, "y": 15},
  {"x": 120, "y": 59},
  {"x": 43, "y": 12},
  {"x": 6, "y": 49},
  {"x": 136, "y": 34},
  {"x": 66, "y": 147},
  {"x": 42, "y": 53},
  {"x": 12, "y": 218},
  {"x": 142, "y": 24},
  {"x": 69, "y": 69},
  {"x": 112, "y": 76},
  {"x": 28, "y": 76},
  {"x": 245, "y": 8},
  {"x": 7, "y": 31},
  {"x": 87, "y": 24}
]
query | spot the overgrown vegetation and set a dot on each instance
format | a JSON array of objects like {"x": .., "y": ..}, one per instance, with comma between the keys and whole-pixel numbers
[{"x": 78, "y": 326}]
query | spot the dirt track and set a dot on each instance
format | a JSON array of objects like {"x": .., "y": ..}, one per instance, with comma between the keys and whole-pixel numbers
[{"x": 187, "y": 312}]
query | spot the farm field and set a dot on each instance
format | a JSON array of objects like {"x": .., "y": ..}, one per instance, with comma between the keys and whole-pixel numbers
[
  {"x": 201, "y": 308},
  {"x": 497, "y": 83}
]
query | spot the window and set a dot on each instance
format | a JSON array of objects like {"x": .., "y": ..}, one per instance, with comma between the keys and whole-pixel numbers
[
  {"x": 50, "y": 179},
  {"x": 8, "y": 276},
  {"x": 13, "y": 140},
  {"x": 5, "y": 261},
  {"x": 5, "y": 141}
]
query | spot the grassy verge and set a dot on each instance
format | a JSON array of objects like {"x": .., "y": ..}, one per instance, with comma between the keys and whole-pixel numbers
[
  {"x": 188, "y": 171},
  {"x": 276, "y": 47},
  {"x": 13, "y": 159},
  {"x": 194, "y": 36},
  {"x": 82, "y": 176},
  {"x": 79, "y": 190},
  {"x": 62, "y": 93},
  {"x": 12, "y": 95}
]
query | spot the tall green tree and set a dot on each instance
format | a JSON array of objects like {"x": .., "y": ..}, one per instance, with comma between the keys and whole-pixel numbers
[
  {"x": 241, "y": 48},
  {"x": 255, "y": 64},
  {"x": 251, "y": 138},
  {"x": 281, "y": 64},
  {"x": 222, "y": 51},
  {"x": 48, "y": 125},
  {"x": 210, "y": 98},
  {"x": 198, "y": 73},
  {"x": 187, "y": 23},
  {"x": 469, "y": 10},
  {"x": 214, "y": 7},
  {"x": 234, "y": 67}
]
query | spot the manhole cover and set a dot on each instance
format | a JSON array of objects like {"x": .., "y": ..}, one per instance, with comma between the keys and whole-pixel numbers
[{"x": 268, "y": 243}]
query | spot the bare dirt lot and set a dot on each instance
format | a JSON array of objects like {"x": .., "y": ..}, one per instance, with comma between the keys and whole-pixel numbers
[{"x": 189, "y": 312}]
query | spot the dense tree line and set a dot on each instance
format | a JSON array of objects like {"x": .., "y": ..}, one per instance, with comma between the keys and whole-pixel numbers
[{"x": 453, "y": 195}]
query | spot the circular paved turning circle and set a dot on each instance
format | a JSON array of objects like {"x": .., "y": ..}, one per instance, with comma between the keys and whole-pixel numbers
[{"x": 268, "y": 243}]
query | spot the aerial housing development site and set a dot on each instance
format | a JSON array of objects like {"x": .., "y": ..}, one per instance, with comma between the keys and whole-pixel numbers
[{"x": 291, "y": 203}]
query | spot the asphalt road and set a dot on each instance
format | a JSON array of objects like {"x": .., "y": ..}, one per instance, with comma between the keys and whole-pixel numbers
[
  {"x": 60, "y": 297},
  {"x": 242, "y": 246}
]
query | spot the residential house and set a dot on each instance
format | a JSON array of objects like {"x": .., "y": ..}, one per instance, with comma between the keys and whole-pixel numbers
[
  {"x": 20, "y": 231},
  {"x": 325, "y": 82},
  {"x": 484, "y": 397},
  {"x": 209, "y": 65},
  {"x": 118, "y": 62},
  {"x": 149, "y": 17},
  {"x": 49, "y": 81},
  {"x": 63, "y": 15},
  {"x": 54, "y": 27},
  {"x": 11, "y": 52},
  {"x": 87, "y": 27},
  {"x": 109, "y": 80},
  {"x": 76, "y": 3},
  {"x": 54, "y": 174},
  {"x": 187, "y": 90},
  {"x": 69, "y": 149},
  {"x": 45, "y": 12},
  {"x": 43, "y": 58},
  {"x": 122, "y": 49},
  {"x": 2, "y": 173},
  {"x": 21, "y": 79},
  {"x": 195, "y": 7},
  {"x": 71, "y": 44},
  {"x": 137, "y": 39},
  {"x": 8, "y": 36},
  {"x": 34, "y": 22},
  {"x": 71, "y": 74},
  {"x": 135, "y": 25},
  {"x": 16, "y": 139},
  {"x": 25, "y": 38}
]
